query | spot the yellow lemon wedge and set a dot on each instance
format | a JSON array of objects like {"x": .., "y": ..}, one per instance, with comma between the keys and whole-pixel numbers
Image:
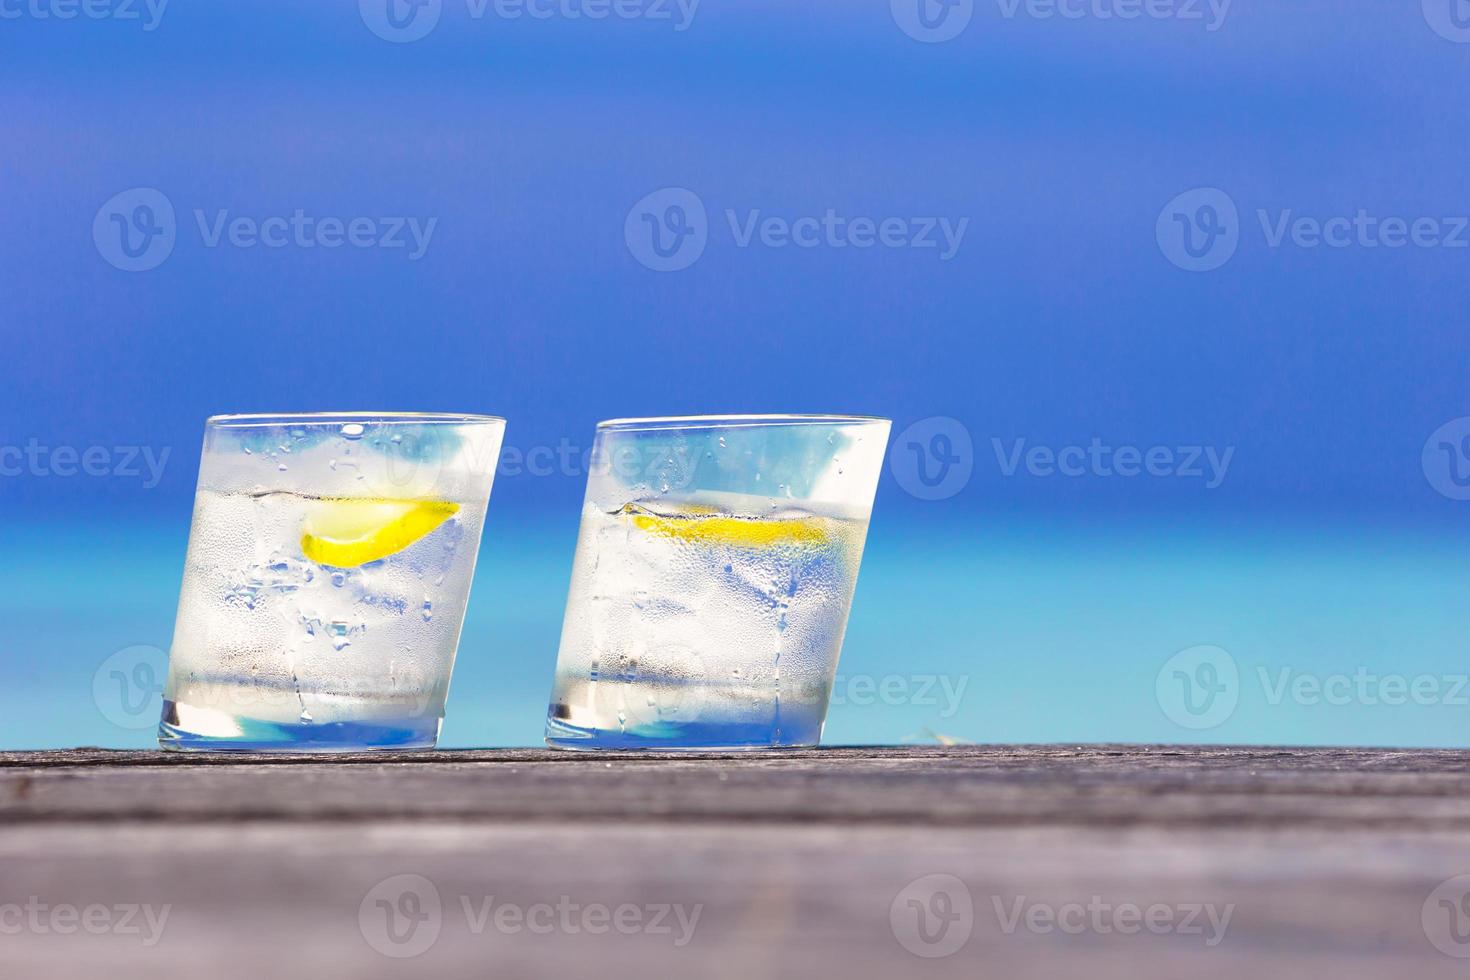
[
  {"x": 700, "y": 527},
  {"x": 345, "y": 532}
]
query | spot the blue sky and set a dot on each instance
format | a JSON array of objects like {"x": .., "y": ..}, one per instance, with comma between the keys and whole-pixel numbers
[{"x": 527, "y": 143}]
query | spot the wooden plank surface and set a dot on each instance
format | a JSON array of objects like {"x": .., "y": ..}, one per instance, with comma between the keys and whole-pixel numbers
[{"x": 1045, "y": 861}]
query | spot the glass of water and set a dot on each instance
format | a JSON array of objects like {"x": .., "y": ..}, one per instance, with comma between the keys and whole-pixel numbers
[
  {"x": 714, "y": 572},
  {"x": 325, "y": 586}
]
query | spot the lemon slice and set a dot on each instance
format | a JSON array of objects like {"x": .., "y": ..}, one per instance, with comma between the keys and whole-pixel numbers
[
  {"x": 345, "y": 532},
  {"x": 699, "y": 527}
]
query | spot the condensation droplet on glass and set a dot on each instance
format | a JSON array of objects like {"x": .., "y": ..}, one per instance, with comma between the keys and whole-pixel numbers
[{"x": 352, "y": 430}]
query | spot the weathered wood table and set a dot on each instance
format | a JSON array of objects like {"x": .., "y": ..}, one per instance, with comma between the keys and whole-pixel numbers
[{"x": 1097, "y": 861}]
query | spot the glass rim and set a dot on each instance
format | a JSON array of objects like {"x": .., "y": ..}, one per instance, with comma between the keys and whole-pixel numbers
[
  {"x": 654, "y": 422},
  {"x": 248, "y": 419}
]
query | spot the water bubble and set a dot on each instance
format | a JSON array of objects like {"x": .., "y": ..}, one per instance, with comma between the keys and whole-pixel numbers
[
  {"x": 339, "y": 579},
  {"x": 397, "y": 438},
  {"x": 722, "y": 442},
  {"x": 298, "y": 433},
  {"x": 428, "y": 609},
  {"x": 248, "y": 451},
  {"x": 352, "y": 430},
  {"x": 306, "y": 718},
  {"x": 281, "y": 467}
]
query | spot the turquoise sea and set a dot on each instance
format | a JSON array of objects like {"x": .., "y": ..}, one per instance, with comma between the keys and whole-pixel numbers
[{"x": 1024, "y": 631}]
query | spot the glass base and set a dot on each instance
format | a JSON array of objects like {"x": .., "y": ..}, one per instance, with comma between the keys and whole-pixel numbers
[
  {"x": 681, "y": 737},
  {"x": 208, "y": 730}
]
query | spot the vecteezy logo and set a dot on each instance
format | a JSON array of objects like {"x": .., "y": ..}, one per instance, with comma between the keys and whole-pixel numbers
[
  {"x": 1445, "y": 917},
  {"x": 1450, "y": 19},
  {"x": 128, "y": 687},
  {"x": 667, "y": 230},
  {"x": 1198, "y": 687},
  {"x": 135, "y": 230},
  {"x": 932, "y": 916},
  {"x": 933, "y": 458},
  {"x": 1446, "y": 459},
  {"x": 401, "y": 916},
  {"x": 932, "y": 21},
  {"x": 1199, "y": 230},
  {"x": 400, "y": 21}
]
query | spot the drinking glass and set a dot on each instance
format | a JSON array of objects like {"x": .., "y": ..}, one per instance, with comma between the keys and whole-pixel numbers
[
  {"x": 714, "y": 572},
  {"x": 328, "y": 570}
]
